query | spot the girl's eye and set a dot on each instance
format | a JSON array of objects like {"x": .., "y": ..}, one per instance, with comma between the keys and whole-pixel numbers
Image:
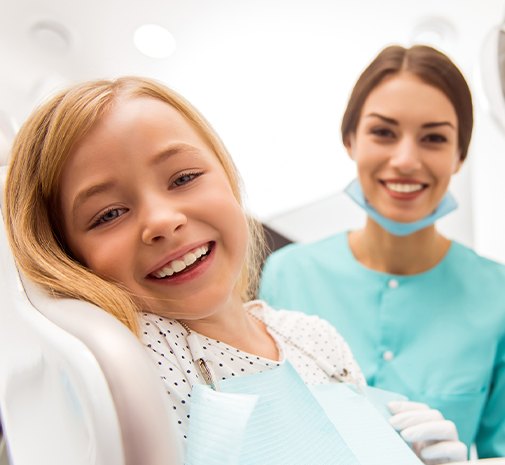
[
  {"x": 185, "y": 179},
  {"x": 435, "y": 138},
  {"x": 108, "y": 216}
]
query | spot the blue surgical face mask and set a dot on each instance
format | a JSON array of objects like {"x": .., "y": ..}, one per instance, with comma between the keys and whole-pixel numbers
[{"x": 446, "y": 206}]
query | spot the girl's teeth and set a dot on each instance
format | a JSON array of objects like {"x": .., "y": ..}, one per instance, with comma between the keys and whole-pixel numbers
[
  {"x": 189, "y": 259},
  {"x": 175, "y": 266},
  {"x": 178, "y": 265}
]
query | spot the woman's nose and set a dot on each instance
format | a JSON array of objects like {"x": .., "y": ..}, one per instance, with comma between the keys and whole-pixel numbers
[
  {"x": 161, "y": 221},
  {"x": 406, "y": 156}
]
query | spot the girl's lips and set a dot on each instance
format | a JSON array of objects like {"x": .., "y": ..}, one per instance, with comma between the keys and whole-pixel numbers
[
  {"x": 189, "y": 272},
  {"x": 176, "y": 256},
  {"x": 182, "y": 262}
]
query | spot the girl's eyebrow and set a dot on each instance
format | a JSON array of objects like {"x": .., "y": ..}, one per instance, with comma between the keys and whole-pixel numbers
[
  {"x": 158, "y": 158},
  {"x": 173, "y": 149},
  {"x": 433, "y": 124},
  {"x": 85, "y": 194}
]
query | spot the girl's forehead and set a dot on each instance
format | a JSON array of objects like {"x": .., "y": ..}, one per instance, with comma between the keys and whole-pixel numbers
[
  {"x": 130, "y": 107},
  {"x": 141, "y": 120},
  {"x": 138, "y": 130}
]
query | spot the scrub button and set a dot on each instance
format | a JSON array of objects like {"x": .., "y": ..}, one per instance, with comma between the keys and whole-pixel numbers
[
  {"x": 388, "y": 355},
  {"x": 393, "y": 283}
]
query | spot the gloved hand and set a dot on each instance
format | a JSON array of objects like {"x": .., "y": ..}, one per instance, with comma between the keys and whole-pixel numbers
[{"x": 433, "y": 438}]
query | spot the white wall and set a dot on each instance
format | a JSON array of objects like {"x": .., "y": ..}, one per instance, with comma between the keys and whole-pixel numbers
[{"x": 273, "y": 77}]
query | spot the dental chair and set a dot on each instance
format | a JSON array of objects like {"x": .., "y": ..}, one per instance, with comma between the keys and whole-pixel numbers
[{"x": 76, "y": 386}]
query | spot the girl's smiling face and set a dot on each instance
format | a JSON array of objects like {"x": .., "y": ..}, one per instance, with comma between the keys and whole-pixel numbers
[
  {"x": 405, "y": 147},
  {"x": 146, "y": 203}
]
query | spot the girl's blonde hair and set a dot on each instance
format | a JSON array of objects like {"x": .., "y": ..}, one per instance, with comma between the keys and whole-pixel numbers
[{"x": 39, "y": 152}]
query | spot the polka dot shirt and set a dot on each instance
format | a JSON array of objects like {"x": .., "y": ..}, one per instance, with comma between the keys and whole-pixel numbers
[{"x": 311, "y": 345}]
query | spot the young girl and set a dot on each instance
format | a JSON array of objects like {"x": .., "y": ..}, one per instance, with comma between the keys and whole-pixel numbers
[{"x": 133, "y": 204}]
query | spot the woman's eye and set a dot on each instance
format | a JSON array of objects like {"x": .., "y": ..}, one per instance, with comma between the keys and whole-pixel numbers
[
  {"x": 435, "y": 138},
  {"x": 383, "y": 132},
  {"x": 185, "y": 178},
  {"x": 108, "y": 216}
]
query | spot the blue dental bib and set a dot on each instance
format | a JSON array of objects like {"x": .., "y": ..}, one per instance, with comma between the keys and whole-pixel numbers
[
  {"x": 446, "y": 206},
  {"x": 273, "y": 418}
]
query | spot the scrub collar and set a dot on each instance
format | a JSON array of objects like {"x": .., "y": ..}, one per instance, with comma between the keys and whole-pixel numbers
[{"x": 446, "y": 206}]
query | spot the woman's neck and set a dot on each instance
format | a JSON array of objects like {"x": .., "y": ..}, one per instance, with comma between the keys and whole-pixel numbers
[{"x": 379, "y": 250}]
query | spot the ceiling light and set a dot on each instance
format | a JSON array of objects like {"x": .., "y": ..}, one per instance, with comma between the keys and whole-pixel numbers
[
  {"x": 154, "y": 41},
  {"x": 434, "y": 31},
  {"x": 51, "y": 36}
]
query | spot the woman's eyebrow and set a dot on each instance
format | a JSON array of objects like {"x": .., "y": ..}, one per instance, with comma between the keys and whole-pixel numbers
[
  {"x": 437, "y": 124},
  {"x": 382, "y": 117},
  {"x": 433, "y": 124}
]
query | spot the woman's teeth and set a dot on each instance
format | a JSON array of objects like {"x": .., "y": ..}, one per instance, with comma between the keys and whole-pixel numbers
[
  {"x": 176, "y": 266},
  {"x": 403, "y": 188}
]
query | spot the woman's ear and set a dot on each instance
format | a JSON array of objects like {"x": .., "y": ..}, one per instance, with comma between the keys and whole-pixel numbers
[
  {"x": 457, "y": 163},
  {"x": 349, "y": 142}
]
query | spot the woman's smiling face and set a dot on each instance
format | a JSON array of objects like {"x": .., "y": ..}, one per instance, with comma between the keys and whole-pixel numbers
[
  {"x": 146, "y": 203},
  {"x": 405, "y": 147}
]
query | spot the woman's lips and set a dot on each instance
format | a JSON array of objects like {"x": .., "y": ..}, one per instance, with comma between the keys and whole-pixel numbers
[{"x": 404, "y": 190}]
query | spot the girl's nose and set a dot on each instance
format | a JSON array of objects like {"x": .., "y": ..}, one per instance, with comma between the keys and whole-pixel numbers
[
  {"x": 406, "y": 156},
  {"x": 161, "y": 221}
]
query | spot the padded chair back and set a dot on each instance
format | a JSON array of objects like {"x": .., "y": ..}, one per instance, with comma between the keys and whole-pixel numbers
[{"x": 76, "y": 386}]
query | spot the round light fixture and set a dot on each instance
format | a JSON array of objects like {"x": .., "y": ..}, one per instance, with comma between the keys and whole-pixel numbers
[
  {"x": 492, "y": 74},
  {"x": 154, "y": 41},
  {"x": 435, "y": 31},
  {"x": 51, "y": 36}
]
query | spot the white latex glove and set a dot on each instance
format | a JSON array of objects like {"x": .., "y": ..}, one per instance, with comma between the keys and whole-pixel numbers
[{"x": 433, "y": 438}]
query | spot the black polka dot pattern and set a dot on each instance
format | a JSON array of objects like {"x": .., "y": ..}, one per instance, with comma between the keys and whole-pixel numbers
[{"x": 165, "y": 341}]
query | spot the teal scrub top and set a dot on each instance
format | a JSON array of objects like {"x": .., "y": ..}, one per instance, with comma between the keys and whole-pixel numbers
[{"x": 437, "y": 337}]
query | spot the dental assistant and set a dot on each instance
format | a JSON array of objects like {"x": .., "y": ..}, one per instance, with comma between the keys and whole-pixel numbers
[{"x": 423, "y": 314}]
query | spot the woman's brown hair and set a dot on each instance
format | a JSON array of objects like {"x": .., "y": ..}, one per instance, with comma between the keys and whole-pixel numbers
[{"x": 428, "y": 64}]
